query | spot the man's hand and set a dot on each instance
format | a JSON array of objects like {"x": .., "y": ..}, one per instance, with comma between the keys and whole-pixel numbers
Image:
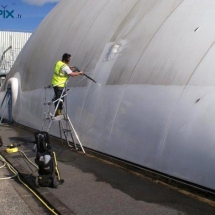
[
  {"x": 72, "y": 68},
  {"x": 81, "y": 72}
]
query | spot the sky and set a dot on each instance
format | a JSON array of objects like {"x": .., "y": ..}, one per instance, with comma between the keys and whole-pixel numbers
[{"x": 24, "y": 15}]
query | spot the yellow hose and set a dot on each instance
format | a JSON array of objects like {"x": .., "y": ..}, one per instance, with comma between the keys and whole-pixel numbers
[{"x": 11, "y": 168}]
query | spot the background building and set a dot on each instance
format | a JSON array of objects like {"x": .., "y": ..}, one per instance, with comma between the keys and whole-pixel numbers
[{"x": 11, "y": 44}]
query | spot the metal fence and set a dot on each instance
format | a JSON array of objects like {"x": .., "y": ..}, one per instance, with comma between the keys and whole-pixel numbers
[{"x": 11, "y": 44}]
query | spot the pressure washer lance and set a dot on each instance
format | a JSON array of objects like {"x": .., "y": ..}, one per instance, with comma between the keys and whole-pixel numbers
[{"x": 76, "y": 69}]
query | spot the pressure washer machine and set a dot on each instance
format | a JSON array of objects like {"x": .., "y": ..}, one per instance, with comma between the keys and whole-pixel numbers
[{"x": 48, "y": 173}]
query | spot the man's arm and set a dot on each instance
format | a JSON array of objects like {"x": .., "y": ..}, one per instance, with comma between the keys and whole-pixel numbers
[
  {"x": 75, "y": 71},
  {"x": 69, "y": 70},
  {"x": 73, "y": 74}
]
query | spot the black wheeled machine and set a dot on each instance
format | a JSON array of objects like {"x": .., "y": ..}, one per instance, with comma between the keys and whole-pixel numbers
[{"x": 48, "y": 173}]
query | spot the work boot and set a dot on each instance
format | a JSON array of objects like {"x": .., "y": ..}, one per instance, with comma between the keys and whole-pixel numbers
[{"x": 58, "y": 112}]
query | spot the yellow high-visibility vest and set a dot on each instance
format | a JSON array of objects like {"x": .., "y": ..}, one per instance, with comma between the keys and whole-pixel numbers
[{"x": 59, "y": 78}]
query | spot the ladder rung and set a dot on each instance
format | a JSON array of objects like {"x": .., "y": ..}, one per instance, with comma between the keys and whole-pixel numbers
[
  {"x": 47, "y": 103},
  {"x": 58, "y": 118},
  {"x": 49, "y": 117},
  {"x": 67, "y": 130}
]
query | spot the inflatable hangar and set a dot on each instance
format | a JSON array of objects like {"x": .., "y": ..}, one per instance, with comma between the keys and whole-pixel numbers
[{"x": 154, "y": 104}]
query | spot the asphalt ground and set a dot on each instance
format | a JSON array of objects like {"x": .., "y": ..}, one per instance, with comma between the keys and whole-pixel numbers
[{"x": 93, "y": 186}]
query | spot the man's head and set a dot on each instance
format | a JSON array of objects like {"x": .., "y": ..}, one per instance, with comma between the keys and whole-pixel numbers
[{"x": 66, "y": 58}]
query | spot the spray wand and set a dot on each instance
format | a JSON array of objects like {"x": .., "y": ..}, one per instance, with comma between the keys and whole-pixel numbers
[{"x": 76, "y": 69}]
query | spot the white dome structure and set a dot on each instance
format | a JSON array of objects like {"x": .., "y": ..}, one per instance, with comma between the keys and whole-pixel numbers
[{"x": 154, "y": 61}]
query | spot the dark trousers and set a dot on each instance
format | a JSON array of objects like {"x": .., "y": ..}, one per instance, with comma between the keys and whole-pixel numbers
[{"x": 58, "y": 91}]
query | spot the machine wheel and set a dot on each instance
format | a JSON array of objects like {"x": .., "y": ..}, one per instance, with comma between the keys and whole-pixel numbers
[
  {"x": 55, "y": 182},
  {"x": 37, "y": 182}
]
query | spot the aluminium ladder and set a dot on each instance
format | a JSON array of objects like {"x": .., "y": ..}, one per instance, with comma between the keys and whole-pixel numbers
[{"x": 65, "y": 123}]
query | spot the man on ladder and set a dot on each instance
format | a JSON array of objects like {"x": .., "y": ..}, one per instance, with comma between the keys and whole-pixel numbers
[
  {"x": 59, "y": 81},
  {"x": 61, "y": 73}
]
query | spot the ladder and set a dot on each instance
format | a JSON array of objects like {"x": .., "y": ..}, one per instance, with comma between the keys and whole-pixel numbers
[{"x": 65, "y": 125}]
